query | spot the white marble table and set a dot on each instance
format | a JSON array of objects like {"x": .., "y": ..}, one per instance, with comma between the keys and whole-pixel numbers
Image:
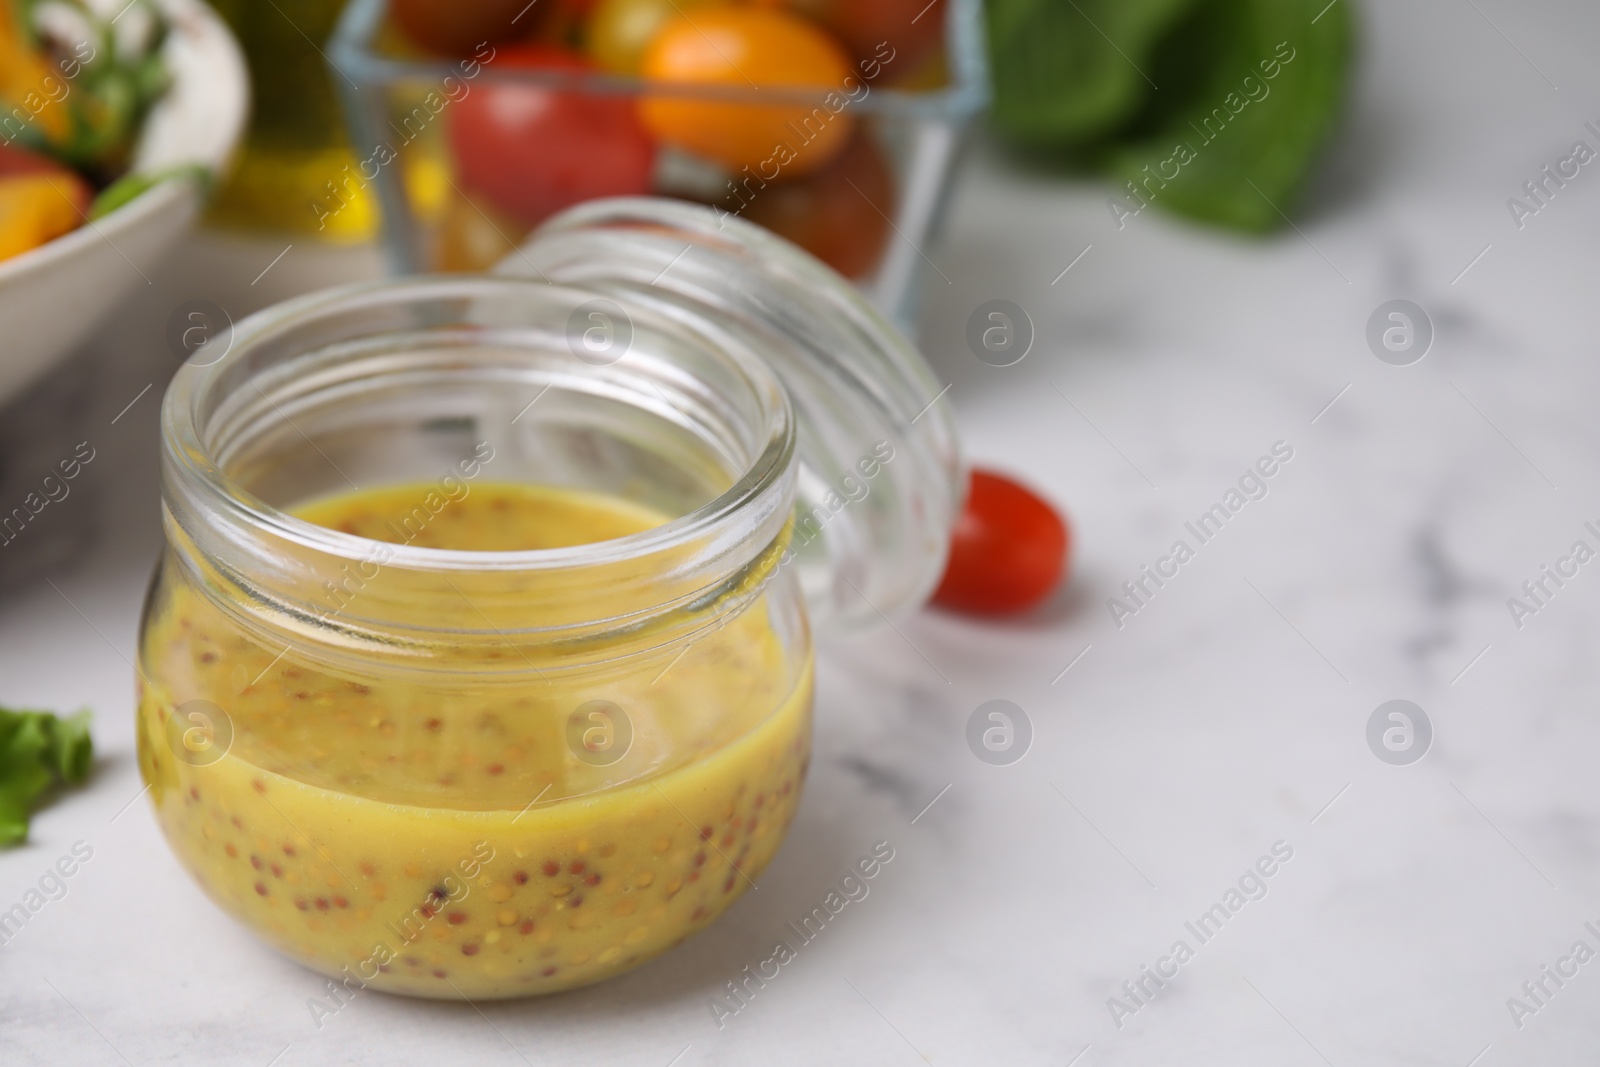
[{"x": 1227, "y": 715}]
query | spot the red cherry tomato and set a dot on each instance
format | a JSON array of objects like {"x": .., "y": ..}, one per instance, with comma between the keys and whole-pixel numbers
[
  {"x": 531, "y": 151},
  {"x": 1008, "y": 551},
  {"x": 900, "y": 34},
  {"x": 16, "y": 161},
  {"x": 452, "y": 28},
  {"x": 840, "y": 214}
]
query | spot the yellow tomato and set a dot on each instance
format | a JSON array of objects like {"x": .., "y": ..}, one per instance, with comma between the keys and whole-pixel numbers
[
  {"x": 750, "y": 50},
  {"x": 620, "y": 30},
  {"x": 473, "y": 235},
  {"x": 37, "y": 208}
]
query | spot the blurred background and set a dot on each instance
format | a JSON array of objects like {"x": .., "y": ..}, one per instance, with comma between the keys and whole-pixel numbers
[{"x": 346, "y": 140}]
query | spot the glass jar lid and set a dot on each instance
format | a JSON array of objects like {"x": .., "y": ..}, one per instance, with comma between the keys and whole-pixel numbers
[{"x": 881, "y": 477}]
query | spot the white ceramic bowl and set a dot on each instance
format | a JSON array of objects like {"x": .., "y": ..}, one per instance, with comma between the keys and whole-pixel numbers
[{"x": 53, "y": 296}]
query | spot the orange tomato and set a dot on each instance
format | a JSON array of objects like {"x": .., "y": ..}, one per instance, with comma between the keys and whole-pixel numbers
[
  {"x": 38, "y": 206},
  {"x": 25, "y": 73},
  {"x": 749, "y": 50},
  {"x": 839, "y": 214}
]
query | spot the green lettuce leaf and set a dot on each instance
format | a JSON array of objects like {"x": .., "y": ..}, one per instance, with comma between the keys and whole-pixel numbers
[
  {"x": 1174, "y": 97},
  {"x": 1068, "y": 71},
  {"x": 1249, "y": 139}
]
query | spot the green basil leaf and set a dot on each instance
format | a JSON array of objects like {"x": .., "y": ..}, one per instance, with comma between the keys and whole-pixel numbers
[
  {"x": 131, "y": 186},
  {"x": 1249, "y": 91},
  {"x": 13, "y": 818},
  {"x": 24, "y": 739},
  {"x": 70, "y": 750},
  {"x": 1067, "y": 71},
  {"x": 22, "y": 780},
  {"x": 37, "y": 749}
]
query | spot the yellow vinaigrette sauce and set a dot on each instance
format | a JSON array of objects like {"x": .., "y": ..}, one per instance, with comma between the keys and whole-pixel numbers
[{"x": 449, "y": 841}]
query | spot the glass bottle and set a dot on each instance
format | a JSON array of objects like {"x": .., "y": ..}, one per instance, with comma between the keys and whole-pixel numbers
[{"x": 297, "y": 143}]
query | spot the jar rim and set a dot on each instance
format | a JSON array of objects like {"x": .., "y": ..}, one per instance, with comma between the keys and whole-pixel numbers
[
  {"x": 769, "y": 350},
  {"x": 190, "y": 456}
]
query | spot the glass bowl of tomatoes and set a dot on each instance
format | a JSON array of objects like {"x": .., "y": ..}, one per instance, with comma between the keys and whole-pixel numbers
[{"x": 833, "y": 123}]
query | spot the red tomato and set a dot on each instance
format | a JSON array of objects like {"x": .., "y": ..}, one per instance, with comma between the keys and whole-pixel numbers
[
  {"x": 906, "y": 30},
  {"x": 1008, "y": 552},
  {"x": 562, "y": 24},
  {"x": 16, "y": 161},
  {"x": 748, "y": 50},
  {"x": 456, "y": 28},
  {"x": 531, "y": 151},
  {"x": 839, "y": 214}
]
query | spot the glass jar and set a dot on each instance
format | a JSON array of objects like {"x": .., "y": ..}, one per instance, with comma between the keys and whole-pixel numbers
[{"x": 501, "y": 770}]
